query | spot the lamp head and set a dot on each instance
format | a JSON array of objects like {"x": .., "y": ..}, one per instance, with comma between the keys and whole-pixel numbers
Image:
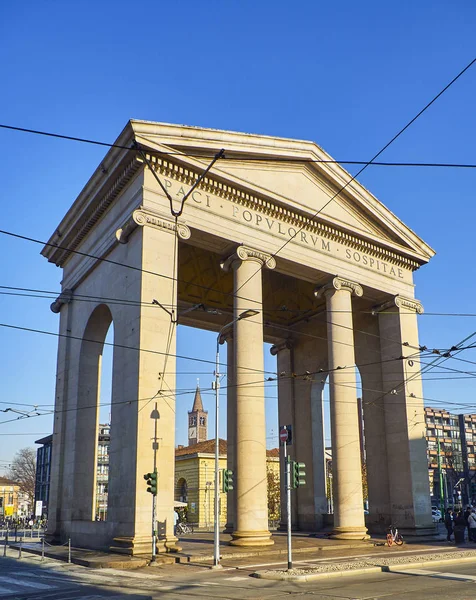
[{"x": 247, "y": 313}]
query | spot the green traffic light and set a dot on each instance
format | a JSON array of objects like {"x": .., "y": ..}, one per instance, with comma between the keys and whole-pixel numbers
[
  {"x": 227, "y": 480},
  {"x": 298, "y": 474},
  {"x": 151, "y": 479}
]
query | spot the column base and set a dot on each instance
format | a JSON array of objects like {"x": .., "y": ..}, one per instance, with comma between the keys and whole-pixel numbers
[
  {"x": 132, "y": 546},
  {"x": 349, "y": 533},
  {"x": 251, "y": 538}
]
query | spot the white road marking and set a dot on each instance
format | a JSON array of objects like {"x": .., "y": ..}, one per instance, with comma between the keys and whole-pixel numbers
[
  {"x": 335, "y": 558},
  {"x": 22, "y": 583},
  {"x": 237, "y": 578},
  {"x": 436, "y": 574}
]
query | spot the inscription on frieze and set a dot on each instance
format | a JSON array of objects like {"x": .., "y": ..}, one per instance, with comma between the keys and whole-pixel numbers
[{"x": 303, "y": 237}]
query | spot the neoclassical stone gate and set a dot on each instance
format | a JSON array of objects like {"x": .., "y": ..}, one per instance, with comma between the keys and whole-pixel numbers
[{"x": 331, "y": 283}]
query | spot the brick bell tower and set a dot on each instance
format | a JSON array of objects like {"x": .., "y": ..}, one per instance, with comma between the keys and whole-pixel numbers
[{"x": 197, "y": 420}]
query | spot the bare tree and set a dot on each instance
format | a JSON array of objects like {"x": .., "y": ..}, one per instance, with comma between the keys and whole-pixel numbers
[{"x": 23, "y": 471}]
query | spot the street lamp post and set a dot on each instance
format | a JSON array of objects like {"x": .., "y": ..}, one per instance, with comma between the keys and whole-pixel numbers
[{"x": 216, "y": 384}]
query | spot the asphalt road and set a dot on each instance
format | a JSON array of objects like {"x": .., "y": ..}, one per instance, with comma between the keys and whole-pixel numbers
[{"x": 31, "y": 579}]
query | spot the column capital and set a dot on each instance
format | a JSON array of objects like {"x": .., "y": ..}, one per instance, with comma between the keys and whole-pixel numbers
[
  {"x": 243, "y": 253},
  {"x": 64, "y": 298},
  {"x": 339, "y": 283},
  {"x": 400, "y": 302},
  {"x": 286, "y": 345},
  {"x": 144, "y": 218}
]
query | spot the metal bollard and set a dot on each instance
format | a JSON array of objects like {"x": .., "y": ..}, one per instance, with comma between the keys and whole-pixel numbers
[
  {"x": 19, "y": 548},
  {"x": 69, "y": 550},
  {"x": 6, "y": 544},
  {"x": 43, "y": 549}
]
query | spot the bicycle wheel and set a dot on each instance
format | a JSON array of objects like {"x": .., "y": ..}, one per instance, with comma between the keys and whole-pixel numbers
[
  {"x": 389, "y": 539},
  {"x": 398, "y": 540}
]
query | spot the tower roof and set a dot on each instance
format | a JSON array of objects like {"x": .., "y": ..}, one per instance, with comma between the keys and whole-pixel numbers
[{"x": 197, "y": 402}]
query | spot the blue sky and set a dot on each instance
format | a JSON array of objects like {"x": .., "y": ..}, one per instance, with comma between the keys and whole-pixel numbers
[{"x": 347, "y": 76}]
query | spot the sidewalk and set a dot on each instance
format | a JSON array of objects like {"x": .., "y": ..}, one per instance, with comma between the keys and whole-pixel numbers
[{"x": 197, "y": 549}]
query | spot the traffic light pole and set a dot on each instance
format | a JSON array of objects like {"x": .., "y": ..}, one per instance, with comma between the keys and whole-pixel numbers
[
  {"x": 287, "y": 484},
  {"x": 216, "y": 528},
  {"x": 155, "y": 447}
]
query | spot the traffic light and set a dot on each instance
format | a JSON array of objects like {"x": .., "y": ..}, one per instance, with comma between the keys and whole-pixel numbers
[
  {"x": 298, "y": 474},
  {"x": 227, "y": 480},
  {"x": 151, "y": 479}
]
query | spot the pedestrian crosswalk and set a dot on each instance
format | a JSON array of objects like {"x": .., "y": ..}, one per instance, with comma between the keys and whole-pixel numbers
[{"x": 15, "y": 583}]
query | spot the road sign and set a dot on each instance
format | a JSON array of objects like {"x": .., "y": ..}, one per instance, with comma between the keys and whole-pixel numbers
[{"x": 283, "y": 435}]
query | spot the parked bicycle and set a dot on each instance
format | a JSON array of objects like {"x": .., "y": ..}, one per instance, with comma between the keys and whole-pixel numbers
[
  {"x": 183, "y": 528},
  {"x": 394, "y": 537}
]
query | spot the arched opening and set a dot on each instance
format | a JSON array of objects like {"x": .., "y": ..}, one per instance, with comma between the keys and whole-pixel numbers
[
  {"x": 92, "y": 437},
  {"x": 181, "y": 490},
  {"x": 104, "y": 427}
]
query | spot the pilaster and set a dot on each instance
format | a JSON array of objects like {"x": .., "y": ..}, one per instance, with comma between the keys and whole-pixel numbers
[{"x": 404, "y": 415}]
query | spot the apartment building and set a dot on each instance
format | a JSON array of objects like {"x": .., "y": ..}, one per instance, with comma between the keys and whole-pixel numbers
[{"x": 451, "y": 456}]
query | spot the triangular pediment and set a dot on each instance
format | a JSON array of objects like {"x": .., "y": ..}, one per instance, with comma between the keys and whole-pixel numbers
[
  {"x": 299, "y": 184},
  {"x": 290, "y": 173},
  {"x": 284, "y": 178}
]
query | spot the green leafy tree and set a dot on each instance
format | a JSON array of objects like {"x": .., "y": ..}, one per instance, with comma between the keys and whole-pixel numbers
[{"x": 274, "y": 504}]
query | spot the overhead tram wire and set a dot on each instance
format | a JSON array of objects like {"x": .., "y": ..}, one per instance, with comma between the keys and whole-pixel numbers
[
  {"x": 209, "y": 391},
  {"x": 283, "y": 309},
  {"x": 205, "y": 391},
  {"x": 366, "y": 165},
  {"x": 238, "y": 157},
  {"x": 77, "y": 338},
  {"x": 85, "y": 298}
]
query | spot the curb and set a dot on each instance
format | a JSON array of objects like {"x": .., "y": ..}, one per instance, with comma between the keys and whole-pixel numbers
[
  {"x": 362, "y": 571},
  {"x": 429, "y": 563},
  {"x": 314, "y": 576},
  {"x": 98, "y": 563},
  {"x": 281, "y": 552}
]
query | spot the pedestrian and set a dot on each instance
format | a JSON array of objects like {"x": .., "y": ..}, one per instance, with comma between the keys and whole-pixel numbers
[
  {"x": 459, "y": 527},
  {"x": 176, "y": 518},
  {"x": 467, "y": 512},
  {"x": 449, "y": 523},
  {"x": 472, "y": 525}
]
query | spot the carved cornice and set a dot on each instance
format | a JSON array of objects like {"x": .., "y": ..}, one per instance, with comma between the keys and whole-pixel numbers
[
  {"x": 102, "y": 204},
  {"x": 243, "y": 253},
  {"x": 145, "y": 218},
  {"x": 293, "y": 217},
  {"x": 338, "y": 283},
  {"x": 286, "y": 345},
  {"x": 400, "y": 302}
]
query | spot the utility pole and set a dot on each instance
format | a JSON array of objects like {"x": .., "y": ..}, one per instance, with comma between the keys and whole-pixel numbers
[{"x": 440, "y": 474}]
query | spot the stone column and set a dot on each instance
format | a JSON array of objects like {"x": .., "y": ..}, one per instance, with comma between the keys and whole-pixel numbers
[
  {"x": 410, "y": 505},
  {"x": 251, "y": 527},
  {"x": 145, "y": 378},
  {"x": 284, "y": 353},
  {"x": 349, "y": 520},
  {"x": 230, "y": 426}
]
